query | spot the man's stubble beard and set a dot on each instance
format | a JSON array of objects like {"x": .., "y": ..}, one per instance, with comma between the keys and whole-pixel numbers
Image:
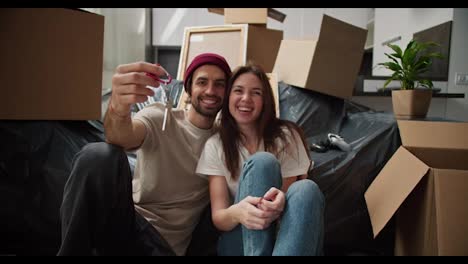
[{"x": 212, "y": 113}]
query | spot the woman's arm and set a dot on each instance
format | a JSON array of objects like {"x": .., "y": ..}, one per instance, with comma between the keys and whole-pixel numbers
[
  {"x": 275, "y": 199},
  {"x": 226, "y": 216},
  {"x": 223, "y": 218},
  {"x": 295, "y": 159},
  {"x": 290, "y": 180},
  {"x": 287, "y": 182}
]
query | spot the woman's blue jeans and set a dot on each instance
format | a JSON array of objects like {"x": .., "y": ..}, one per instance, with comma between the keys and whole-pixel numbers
[{"x": 301, "y": 227}]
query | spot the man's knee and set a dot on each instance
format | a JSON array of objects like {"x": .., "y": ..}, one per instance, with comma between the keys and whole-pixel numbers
[
  {"x": 94, "y": 167},
  {"x": 99, "y": 154},
  {"x": 98, "y": 163}
]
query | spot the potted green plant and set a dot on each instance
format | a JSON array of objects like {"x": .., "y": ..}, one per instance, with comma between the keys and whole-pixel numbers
[{"x": 412, "y": 100}]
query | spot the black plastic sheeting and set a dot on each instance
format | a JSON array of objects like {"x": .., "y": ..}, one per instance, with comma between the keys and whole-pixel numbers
[
  {"x": 342, "y": 176},
  {"x": 35, "y": 161},
  {"x": 36, "y": 156}
]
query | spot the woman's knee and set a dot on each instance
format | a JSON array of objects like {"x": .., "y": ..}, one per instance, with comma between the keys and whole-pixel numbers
[
  {"x": 264, "y": 160},
  {"x": 261, "y": 163},
  {"x": 308, "y": 192}
]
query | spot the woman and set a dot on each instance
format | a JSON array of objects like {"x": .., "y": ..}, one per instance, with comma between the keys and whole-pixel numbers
[{"x": 257, "y": 168}]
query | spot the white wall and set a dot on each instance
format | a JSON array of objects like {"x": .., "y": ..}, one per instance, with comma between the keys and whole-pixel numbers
[
  {"x": 355, "y": 16},
  {"x": 305, "y": 23},
  {"x": 169, "y": 23},
  {"x": 417, "y": 19},
  {"x": 458, "y": 108},
  {"x": 124, "y": 38},
  {"x": 423, "y": 18},
  {"x": 402, "y": 22},
  {"x": 389, "y": 23}
]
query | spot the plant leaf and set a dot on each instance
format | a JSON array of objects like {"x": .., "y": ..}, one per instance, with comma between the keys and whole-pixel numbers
[
  {"x": 396, "y": 49},
  {"x": 392, "y": 57},
  {"x": 426, "y": 83},
  {"x": 414, "y": 60},
  {"x": 387, "y": 82},
  {"x": 435, "y": 55},
  {"x": 392, "y": 66}
]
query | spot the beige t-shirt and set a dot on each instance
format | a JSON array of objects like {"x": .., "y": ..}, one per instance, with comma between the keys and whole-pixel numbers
[
  {"x": 166, "y": 190},
  {"x": 294, "y": 160}
]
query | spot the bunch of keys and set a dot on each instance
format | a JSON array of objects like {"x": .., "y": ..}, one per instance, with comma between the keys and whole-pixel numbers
[{"x": 165, "y": 92}]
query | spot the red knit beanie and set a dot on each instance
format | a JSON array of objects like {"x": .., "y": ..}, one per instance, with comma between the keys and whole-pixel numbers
[{"x": 203, "y": 59}]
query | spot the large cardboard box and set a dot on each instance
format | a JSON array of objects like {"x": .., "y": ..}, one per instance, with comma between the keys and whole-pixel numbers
[
  {"x": 426, "y": 184},
  {"x": 51, "y": 64},
  {"x": 248, "y": 15},
  {"x": 328, "y": 65},
  {"x": 238, "y": 43}
]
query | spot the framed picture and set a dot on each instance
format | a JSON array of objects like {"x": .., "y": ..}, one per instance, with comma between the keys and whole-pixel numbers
[
  {"x": 238, "y": 43},
  {"x": 227, "y": 40}
]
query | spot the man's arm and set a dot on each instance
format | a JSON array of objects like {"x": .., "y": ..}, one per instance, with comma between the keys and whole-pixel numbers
[
  {"x": 128, "y": 87},
  {"x": 122, "y": 130}
]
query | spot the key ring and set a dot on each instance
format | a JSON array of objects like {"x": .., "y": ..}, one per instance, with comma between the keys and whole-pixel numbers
[
  {"x": 163, "y": 80},
  {"x": 165, "y": 93}
]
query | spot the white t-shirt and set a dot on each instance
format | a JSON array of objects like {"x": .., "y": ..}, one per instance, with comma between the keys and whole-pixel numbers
[
  {"x": 294, "y": 160},
  {"x": 166, "y": 190}
]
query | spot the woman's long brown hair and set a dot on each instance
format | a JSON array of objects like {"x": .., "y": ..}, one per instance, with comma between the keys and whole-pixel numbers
[{"x": 269, "y": 127}]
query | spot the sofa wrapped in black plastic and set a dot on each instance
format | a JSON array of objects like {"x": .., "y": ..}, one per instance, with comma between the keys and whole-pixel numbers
[
  {"x": 36, "y": 156},
  {"x": 344, "y": 176}
]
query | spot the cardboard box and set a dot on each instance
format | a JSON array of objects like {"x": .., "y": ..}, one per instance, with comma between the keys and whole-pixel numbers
[
  {"x": 248, "y": 15},
  {"x": 328, "y": 65},
  {"x": 239, "y": 44},
  {"x": 426, "y": 184},
  {"x": 51, "y": 64},
  {"x": 273, "y": 78}
]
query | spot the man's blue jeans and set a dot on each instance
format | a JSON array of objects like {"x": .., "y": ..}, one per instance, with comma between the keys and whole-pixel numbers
[{"x": 301, "y": 227}]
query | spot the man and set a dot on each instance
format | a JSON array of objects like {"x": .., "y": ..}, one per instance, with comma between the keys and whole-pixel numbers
[{"x": 98, "y": 213}]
